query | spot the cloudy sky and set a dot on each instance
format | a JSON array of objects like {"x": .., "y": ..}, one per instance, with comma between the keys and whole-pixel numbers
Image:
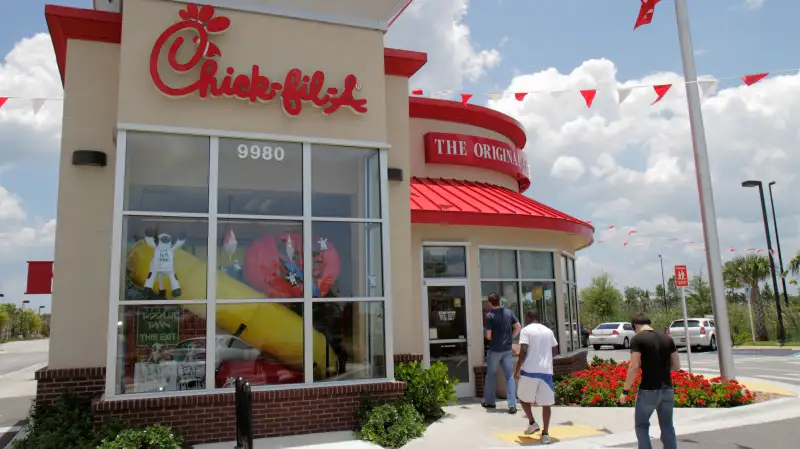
[{"x": 629, "y": 166}]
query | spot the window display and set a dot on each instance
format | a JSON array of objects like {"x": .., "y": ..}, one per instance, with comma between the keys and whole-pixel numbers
[
  {"x": 257, "y": 265},
  {"x": 349, "y": 341}
]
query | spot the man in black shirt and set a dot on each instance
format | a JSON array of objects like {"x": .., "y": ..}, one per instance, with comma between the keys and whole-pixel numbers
[
  {"x": 501, "y": 328},
  {"x": 657, "y": 356}
]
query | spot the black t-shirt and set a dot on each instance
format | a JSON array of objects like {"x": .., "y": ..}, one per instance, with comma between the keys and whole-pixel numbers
[{"x": 656, "y": 350}]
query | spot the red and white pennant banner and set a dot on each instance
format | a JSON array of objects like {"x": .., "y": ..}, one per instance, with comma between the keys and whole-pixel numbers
[
  {"x": 707, "y": 86},
  {"x": 628, "y": 236},
  {"x": 35, "y": 103}
]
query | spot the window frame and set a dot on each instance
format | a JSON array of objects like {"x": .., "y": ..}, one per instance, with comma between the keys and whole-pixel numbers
[
  {"x": 213, "y": 217},
  {"x": 519, "y": 280},
  {"x": 570, "y": 285}
]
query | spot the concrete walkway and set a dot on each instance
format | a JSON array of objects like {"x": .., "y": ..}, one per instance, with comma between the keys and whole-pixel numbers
[{"x": 468, "y": 426}]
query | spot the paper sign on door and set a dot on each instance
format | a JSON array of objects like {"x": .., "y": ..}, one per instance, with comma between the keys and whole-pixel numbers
[{"x": 433, "y": 333}]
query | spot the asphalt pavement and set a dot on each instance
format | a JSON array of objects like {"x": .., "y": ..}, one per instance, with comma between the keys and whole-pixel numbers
[
  {"x": 769, "y": 365},
  {"x": 18, "y": 364},
  {"x": 772, "y": 435}
]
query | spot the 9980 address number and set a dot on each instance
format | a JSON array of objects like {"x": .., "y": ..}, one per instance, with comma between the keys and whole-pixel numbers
[{"x": 255, "y": 152}]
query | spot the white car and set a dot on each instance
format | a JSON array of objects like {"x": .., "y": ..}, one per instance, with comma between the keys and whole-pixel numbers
[
  {"x": 702, "y": 333},
  {"x": 618, "y": 335}
]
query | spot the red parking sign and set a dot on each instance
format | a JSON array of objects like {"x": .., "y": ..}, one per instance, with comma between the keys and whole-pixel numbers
[{"x": 681, "y": 276}]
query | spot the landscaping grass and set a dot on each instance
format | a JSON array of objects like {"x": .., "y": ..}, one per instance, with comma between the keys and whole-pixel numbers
[{"x": 770, "y": 343}]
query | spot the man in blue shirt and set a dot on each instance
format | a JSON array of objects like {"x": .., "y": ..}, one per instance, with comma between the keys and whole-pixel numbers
[{"x": 501, "y": 328}]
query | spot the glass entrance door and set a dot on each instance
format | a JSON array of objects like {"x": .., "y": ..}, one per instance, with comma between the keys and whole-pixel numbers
[{"x": 448, "y": 334}]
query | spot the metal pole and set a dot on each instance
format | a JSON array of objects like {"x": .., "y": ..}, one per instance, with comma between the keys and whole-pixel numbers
[
  {"x": 781, "y": 331},
  {"x": 706, "y": 194},
  {"x": 778, "y": 244},
  {"x": 663, "y": 282},
  {"x": 686, "y": 331}
]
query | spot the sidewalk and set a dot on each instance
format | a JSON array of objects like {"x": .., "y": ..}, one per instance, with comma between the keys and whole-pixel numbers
[{"x": 468, "y": 426}]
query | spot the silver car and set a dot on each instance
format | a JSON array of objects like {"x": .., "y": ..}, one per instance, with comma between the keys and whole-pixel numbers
[
  {"x": 702, "y": 333},
  {"x": 618, "y": 335}
]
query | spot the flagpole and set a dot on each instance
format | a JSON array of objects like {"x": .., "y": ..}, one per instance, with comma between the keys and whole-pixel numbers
[{"x": 707, "y": 212}]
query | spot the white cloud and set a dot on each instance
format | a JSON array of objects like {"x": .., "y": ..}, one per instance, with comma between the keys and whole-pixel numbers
[
  {"x": 567, "y": 168},
  {"x": 28, "y": 71},
  {"x": 639, "y": 165},
  {"x": 754, "y": 4},
  {"x": 437, "y": 27}
]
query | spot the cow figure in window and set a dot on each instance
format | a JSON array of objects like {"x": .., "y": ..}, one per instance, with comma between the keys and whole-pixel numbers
[{"x": 162, "y": 265}]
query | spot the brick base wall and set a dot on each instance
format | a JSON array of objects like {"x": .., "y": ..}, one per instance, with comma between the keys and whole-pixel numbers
[
  {"x": 210, "y": 418},
  {"x": 87, "y": 383},
  {"x": 562, "y": 366}
]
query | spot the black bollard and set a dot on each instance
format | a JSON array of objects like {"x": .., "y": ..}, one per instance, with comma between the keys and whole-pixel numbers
[{"x": 244, "y": 414}]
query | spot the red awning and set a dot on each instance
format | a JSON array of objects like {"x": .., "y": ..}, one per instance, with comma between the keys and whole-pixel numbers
[{"x": 480, "y": 204}]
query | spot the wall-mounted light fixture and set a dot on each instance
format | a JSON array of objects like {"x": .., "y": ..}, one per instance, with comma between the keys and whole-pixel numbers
[
  {"x": 89, "y": 158},
  {"x": 395, "y": 174}
]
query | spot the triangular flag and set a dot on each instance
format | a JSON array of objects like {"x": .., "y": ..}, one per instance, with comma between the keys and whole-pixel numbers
[
  {"x": 661, "y": 90},
  {"x": 759, "y": 251},
  {"x": 752, "y": 79},
  {"x": 611, "y": 227},
  {"x": 465, "y": 98},
  {"x": 416, "y": 92},
  {"x": 623, "y": 93},
  {"x": 37, "y": 104},
  {"x": 625, "y": 244},
  {"x": 645, "y": 13},
  {"x": 3, "y": 101},
  {"x": 588, "y": 95},
  {"x": 520, "y": 95},
  {"x": 707, "y": 87},
  {"x": 632, "y": 232}
]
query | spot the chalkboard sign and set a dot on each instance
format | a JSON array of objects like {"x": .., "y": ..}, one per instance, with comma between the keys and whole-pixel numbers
[{"x": 157, "y": 325}]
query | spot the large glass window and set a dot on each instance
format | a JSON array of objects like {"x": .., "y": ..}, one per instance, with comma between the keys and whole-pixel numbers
[
  {"x": 571, "y": 304},
  {"x": 213, "y": 265},
  {"x": 525, "y": 280},
  {"x": 444, "y": 262}
]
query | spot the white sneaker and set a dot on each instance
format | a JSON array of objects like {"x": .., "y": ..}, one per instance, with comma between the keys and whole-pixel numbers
[
  {"x": 546, "y": 439},
  {"x": 533, "y": 428}
]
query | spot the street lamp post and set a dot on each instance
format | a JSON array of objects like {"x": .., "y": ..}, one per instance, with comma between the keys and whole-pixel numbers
[
  {"x": 778, "y": 244},
  {"x": 40, "y": 310},
  {"x": 760, "y": 185},
  {"x": 663, "y": 282},
  {"x": 25, "y": 302}
]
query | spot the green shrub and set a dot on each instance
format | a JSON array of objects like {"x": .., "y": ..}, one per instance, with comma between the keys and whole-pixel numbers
[
  {"x": 392, "y": 425},
  {"x": 153, "y": 437},
  {"x": 365, "y": 407},
  {"x": 427, "y": 390},
  {"x": 67, "y": 423}
]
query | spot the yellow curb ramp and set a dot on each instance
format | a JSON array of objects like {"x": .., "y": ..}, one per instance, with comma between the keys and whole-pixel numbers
[
  {"x": 763, "y": 387},
  {"x": 557, "y": 433}
]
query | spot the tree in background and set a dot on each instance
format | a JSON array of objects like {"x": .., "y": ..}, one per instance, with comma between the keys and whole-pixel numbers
[
  {"x": 698, "y": 297},
  {"x": 636, "y": 299},
  {"x": 4, "y": 318},
  {"x": 673, "y": 294},
  {"x": 601, "y": 299},
  {"x": 751, "y": 270},
  {"x": 20, "y": 322}
]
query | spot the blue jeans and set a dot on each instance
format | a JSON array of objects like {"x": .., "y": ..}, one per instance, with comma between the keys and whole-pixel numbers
[
  {"x": 506, "y": 361},
  {"x": 662, "y": 402}
]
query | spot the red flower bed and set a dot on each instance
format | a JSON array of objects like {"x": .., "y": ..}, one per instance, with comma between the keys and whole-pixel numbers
[{"x": 601, "y": 385}]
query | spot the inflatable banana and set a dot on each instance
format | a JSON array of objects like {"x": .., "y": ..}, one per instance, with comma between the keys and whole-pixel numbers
[{"x": 272, "y": 328}]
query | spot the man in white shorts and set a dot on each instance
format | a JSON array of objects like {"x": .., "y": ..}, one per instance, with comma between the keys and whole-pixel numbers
[{"x": 534, "y": 373}]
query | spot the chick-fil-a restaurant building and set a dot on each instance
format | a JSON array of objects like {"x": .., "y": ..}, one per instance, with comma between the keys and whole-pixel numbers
[{"x": 247, "y": 189}]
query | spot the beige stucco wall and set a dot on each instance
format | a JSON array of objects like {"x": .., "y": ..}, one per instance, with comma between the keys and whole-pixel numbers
[
  {"x": 79, "y": 328},
  {"x": 420, "y": 127},
  {"x": 277, "y": 45},
  {"x": 409, "y": 334}
]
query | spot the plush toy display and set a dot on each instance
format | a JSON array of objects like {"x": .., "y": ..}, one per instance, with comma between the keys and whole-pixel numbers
[{"x": 162, "y": 265}]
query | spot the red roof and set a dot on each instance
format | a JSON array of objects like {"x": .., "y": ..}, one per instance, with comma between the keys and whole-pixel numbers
[{"x": 481, "y": 204}]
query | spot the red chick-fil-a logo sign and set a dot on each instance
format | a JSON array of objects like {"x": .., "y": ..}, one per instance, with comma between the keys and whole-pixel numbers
[{"x": 295, "y": 89}]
